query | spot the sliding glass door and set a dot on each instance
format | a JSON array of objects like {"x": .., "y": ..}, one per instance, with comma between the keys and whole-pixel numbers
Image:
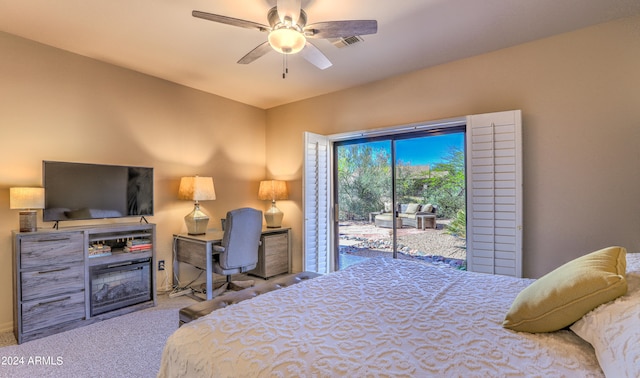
[
  {"x": 491, "y": 222},
  {"x": 401, "y": 196},
  {"x": 430, "y": 195},
  {"x": 364, "y": 194}
]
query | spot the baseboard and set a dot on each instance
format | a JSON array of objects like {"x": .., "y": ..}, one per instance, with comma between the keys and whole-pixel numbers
[{"x": 6, "y": 327}]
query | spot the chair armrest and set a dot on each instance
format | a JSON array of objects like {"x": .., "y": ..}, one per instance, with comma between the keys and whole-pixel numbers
[{"x": 218, "y": 248}]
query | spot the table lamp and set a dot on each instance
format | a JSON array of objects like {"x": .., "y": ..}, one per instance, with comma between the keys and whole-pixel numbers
[
  {"x": 196, "y": 189},
  {"x": 27, "y": 200},
  {"x": 273, "y": 190}
]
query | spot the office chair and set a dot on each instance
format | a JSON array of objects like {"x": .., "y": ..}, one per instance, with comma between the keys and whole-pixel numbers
[{"x": 238, "y": 252}]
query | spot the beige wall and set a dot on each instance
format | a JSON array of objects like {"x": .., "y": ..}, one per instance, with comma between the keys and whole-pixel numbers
[
  {"x": 59, "y": 106},
  {"x": 580, "y": 98}
]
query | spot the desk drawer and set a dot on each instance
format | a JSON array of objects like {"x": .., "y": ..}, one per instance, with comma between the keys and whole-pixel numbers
[
  {"x": 273, "y": 256},
  {"x": 276, "y": 266},
  {"x": 276, "y": 245}
]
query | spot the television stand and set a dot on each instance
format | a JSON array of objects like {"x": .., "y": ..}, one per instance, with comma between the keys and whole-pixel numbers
[{"x": 75, "y": 276}]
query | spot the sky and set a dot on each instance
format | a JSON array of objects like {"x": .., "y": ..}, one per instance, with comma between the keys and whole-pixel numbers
[{"x": 425, "y": 150}]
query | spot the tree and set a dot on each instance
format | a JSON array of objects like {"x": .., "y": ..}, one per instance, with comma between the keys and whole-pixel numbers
[
  {"x": 364, "y": 180},
  {"x": 411, "y": 182},
  {"x": 446, "y": 184}
]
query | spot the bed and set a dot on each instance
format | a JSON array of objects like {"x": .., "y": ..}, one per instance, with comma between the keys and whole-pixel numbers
[{"x": 384, "y": 317}]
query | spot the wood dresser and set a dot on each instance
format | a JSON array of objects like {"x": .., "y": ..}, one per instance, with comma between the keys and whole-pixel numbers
[{"x": 75, "y": 276}]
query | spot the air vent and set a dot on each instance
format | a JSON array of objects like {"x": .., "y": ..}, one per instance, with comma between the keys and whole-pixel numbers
[{"x": 347, "y": 41}]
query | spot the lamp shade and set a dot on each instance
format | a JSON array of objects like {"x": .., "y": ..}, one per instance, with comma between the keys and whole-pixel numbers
[
  {"x": 273, "y": 190},
  {"x": 196, "y": 189},
  {"x": 26, "y": 198}
]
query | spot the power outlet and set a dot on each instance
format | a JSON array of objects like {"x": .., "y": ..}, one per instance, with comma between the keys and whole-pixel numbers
[{"x": 161, "y": 265}]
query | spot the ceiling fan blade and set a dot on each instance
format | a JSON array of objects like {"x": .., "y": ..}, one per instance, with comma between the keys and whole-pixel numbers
[
  {"x": 256, "y": 53},
  {"x": 289, "y": 9},
  {"x": 338, "y": 29},
  {"x": 230, "y": 21},
  {"x": 314, "y": 56}
]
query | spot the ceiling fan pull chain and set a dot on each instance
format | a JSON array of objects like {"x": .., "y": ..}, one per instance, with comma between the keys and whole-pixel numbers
[{"x": 285, "y": 66}]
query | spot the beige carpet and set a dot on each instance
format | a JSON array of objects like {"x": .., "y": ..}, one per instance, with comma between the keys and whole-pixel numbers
[
  {"x": 7, "y": 338},
  {"x": 126, "y": 346}
]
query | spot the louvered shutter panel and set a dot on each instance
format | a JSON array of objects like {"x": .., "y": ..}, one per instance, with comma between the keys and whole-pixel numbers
[
  {"x": 494, "y": 193},
  {"x": 316, "y": 196}
]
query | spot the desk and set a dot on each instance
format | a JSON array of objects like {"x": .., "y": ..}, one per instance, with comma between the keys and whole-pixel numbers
[{"x": 197, "y": 250}]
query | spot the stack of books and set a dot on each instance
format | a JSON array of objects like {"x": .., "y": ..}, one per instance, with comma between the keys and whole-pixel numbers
[
  {"x": 138, "y": 245},
  {"x": 98, "y": 249}
]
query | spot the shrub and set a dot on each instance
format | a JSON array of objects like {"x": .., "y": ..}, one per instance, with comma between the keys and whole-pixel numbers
[{"x": 458, "y": 225}]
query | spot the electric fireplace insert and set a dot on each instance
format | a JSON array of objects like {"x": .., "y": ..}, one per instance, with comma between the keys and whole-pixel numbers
[{"x": 119, "y": 285}]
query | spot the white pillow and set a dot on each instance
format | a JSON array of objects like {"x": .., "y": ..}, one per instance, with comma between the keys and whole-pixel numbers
[{"x": 613, "y": 329}]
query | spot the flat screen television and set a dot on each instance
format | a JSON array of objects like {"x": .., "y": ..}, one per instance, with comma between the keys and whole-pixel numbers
[{"x": 79, "y": 191}]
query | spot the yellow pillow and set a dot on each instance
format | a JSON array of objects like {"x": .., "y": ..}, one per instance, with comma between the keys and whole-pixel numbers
[
  {"x": 563, "y": 296},
  {"x": 412, "y": 208}
]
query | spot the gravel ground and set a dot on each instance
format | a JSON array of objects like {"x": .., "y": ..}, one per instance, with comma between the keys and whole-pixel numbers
[{"x": 432, "y": 245}]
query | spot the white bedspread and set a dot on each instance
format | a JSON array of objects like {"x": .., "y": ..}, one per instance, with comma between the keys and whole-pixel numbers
[{"x": 379, "y": 318}]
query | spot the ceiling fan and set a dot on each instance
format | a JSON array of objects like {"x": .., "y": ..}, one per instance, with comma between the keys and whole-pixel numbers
[{"x": 288, "y": 32}]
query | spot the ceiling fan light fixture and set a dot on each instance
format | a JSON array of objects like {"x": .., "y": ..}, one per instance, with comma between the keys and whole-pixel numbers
[{"x": 287, "y": 40}]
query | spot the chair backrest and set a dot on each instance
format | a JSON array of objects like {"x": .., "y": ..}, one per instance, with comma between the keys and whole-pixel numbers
[{"x": 241, "y": 239}]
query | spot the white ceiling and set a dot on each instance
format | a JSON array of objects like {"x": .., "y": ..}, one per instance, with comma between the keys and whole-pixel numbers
[{"x": 162, "y": 39}]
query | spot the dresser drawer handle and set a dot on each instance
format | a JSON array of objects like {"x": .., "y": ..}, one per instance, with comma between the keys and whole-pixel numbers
[
  {"x": 51, "y": 240},
  {"x": 54, "y": 301},
  {"x": 54, "y": 270}
]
